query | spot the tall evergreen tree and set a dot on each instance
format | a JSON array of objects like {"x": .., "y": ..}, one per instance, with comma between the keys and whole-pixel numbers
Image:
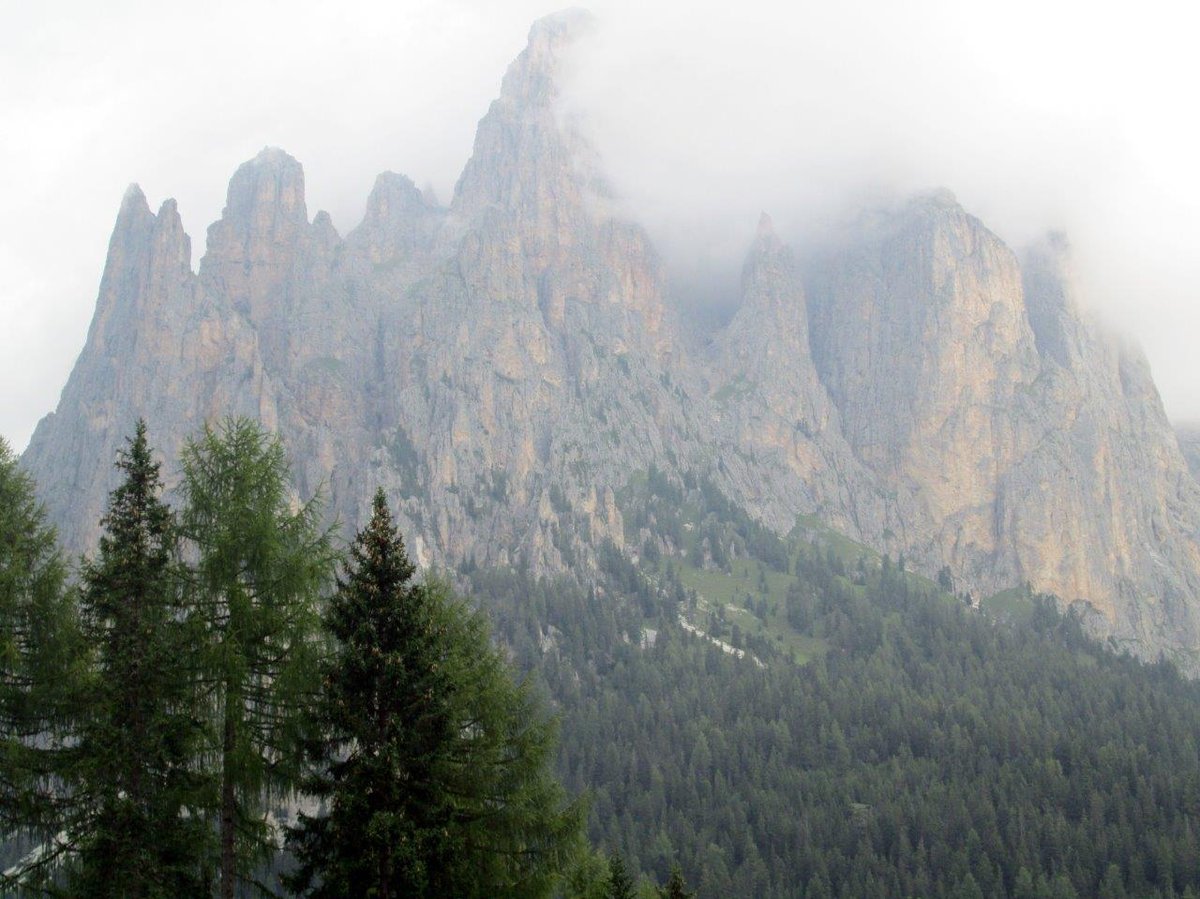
[
  {"x": 259, "y": 565},
  {"x": 142, "y": 833},
  {"x": 42, "y": 657},
  {"x": 675, "y": 888},
  {"x": 620, "y": 884},
  {"x": 432, "y": 765}
]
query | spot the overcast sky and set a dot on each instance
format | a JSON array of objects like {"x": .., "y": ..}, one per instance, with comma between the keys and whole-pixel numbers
[{"x": 1037, "y": 115}]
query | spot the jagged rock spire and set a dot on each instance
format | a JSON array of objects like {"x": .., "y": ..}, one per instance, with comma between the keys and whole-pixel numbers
[
  {"x": 266, "y": 194},
  {"x": 252, "y": 248},
  {"x": 399, "y": 220},
  {"x": 522, "y": 156},
  {"x": 148, "y": 257},
  {"x": 765, "y": 232},
  {"x": 520, "y": 340},
  {"x": 533, "y": 78}
]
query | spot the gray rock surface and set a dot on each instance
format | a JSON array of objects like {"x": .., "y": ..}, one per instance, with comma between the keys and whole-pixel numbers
[
  {"x": 1188, "y": 434},
  {"x": 504, "y": 365}
]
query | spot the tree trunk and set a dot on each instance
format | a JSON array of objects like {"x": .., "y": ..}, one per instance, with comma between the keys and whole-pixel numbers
[
  {"x": 228, "y": 799},
  {"x": 385, "y": 865}
]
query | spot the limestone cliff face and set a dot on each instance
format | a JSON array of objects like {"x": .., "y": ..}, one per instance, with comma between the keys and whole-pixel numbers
[
  {"x": 504, "y": 365},
  {"x": 533, "y": 194},
  {"x": 1102, "y": 507},
  {"x": 1189, "y": 443},
  {"x": 465, "y": 358},
  {"x": 158, "y": 347},
  {"x": 781, "y": 440},
  {"x": 530, "y": 352},
  {"x": 1025, "y": 444},
  {"x": 921, "y": 337}
]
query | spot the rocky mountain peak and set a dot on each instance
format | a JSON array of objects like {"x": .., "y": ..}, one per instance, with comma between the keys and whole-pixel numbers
[
  {"x": 144, "y": 248},
  {"x": 399, "y": 220},
  {"x": 764, "y": 234},
  {"x": 770, "y": 277},
  {"x": 252, "y": 248},
  {"x": 525, "y": 159},
  {"x": 533, "y": 78},
  {"x": 935, "y": 198},
  {"x": 772, "y": 321},
  {"x": 172, "y": 246},
  {"x": 134, "y": 223},
  {"x": 266, "y": 194},
  {"x": 133, "y": 204},
  {"x": 504, "y": 367},
  {"x": 540, "y": 232},
  {"x": 393, "y": 197}
]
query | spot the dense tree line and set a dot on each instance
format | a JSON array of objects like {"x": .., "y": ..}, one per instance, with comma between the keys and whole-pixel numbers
[
  {"x": 208, "y": 670},
  {"x": 929, "y": 752},
  {"x": 207, "y": 673}
]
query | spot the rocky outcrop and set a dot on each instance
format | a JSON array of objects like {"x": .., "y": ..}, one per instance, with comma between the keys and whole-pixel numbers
[
  {"x": 465, "y": 358},
  {"x": 158, "y": 348},
  {"x": 1026, "y": 445},
  {"x": 504, "y": 365},
  {"x": 780, "y": 438},
  {"x": 1189, "y": 443},
  {"x": 1102, "y": 508}
]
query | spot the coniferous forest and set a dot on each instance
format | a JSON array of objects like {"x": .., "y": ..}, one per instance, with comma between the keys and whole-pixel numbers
[
  {"x": 224, "y": 701},
  {"x": 223, "y": 705},
  {"x": 929, "y": 750}
]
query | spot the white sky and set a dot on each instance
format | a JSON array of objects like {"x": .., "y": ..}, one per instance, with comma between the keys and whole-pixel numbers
[{"x": 1079, "y": 115}]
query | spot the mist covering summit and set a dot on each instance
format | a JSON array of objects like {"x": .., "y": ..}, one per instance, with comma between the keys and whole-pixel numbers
[{"x": 503, "y": 365}]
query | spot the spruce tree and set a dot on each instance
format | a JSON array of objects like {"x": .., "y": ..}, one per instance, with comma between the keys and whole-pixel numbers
[
  {"x": 42, "y": 657},
  {"x": 620, "y": 884},
  {"x": 675, "y": 888},
  {"x": 431, "y": 764},
  {"x": 258, "y": 565},
  {"x": 142, "y": 833}
]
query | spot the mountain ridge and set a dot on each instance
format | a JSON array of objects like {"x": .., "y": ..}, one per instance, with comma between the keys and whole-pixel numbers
[{"x": 502, "y": 366}]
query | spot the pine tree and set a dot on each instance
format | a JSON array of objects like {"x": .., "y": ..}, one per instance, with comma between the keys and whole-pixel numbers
[
  {"x": 620, "y": 884},
  {"x": 432, "y": 765},
  {"x": 259, "y": 566},
  {"x": 675, "y": 888},
  {"x": 142, "y": 834},
  {"x": 42, "y": 657},
  {"x": 586, "y": 878}
]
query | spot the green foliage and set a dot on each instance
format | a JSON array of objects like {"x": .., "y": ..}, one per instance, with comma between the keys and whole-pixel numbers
[
  {"x": 620, "y": 884},
  {"x": 923, "y": 750},
  {"x": 140, "y": 832},
  {"x": 432, "y": 765},
  {"x": 929, "y": 751},
  {"x": 41, "y": 658},
  {"x": 586, "y": 878},
  {"x": 675, "y": 888},
  {"x": 260, "y": 563}
]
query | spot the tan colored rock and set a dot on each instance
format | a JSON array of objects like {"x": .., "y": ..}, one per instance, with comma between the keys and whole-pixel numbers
[{"x": 503, "y": 366}]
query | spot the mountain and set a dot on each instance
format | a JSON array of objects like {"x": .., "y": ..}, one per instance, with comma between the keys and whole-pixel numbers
[
  {"x": 1031, "y": 445},
  {"x": 1189, "y": 443},
  {"x": 507, "y": 365}
]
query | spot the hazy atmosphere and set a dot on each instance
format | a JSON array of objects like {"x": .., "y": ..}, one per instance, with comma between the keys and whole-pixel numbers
[
  {"x": 558, "y": 528},
  {"x": 1060, "y": 115}
]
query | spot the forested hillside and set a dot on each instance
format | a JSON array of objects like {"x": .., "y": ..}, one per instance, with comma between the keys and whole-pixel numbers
[
  {"x": 878, "y": 738},
  {"x": 778, "y": 717}
]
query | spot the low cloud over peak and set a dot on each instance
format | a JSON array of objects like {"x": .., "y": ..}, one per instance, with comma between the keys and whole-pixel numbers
[{"x": 1061, "y": 116}]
